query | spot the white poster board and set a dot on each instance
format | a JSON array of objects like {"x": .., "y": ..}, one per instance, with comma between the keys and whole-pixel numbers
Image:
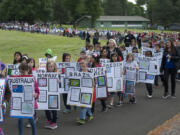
[
  {"x": 100, "y": 81},
  {"x": 43, "y": 61},
  {"x": 22, "y": 99},
  {"x": 114, "y": 76},
  {"x": 49, "y": 97},
  {"x": 148, "y": 68},
  {"x": 65, "y": 68},
  {"x": 81, "y": 89}
]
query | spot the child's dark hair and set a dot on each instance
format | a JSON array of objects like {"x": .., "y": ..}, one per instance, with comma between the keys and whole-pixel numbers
[
  {"x": 23, "y": 67},
  {"x": 135, "y": 48},
  {"x": 114, "y": 54},
  {"x": 96, "y": 58},
  {"x": 148, "y": 54},
  {"x": 150, "y": 43},
  {"x": 19, "y": 53},
  {"x": 158, "y": 45},
  {"x": 65, "y": 55},
  {"x": 104, "y": 48},
  {"x": 31, "y": 59}
]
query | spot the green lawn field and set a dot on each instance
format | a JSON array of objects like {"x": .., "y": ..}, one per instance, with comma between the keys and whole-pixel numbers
[{"x": 35, "y": 45}]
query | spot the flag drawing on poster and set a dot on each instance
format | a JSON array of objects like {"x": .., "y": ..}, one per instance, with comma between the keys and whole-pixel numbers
[
  {"x": 81, "y": 89},
  {"x": 12, "y": 69},
  {"x": 2, "y": 92},
  {"x": 43, "y": 61},
  {"x": 48, "y": 83},
  {"x": 114, "y": 76},
  {"x": 100, "y": 81},
  {"x": 129, "y": 87},
  {"x": 65, "y": 68},
  {"x": 22, "y": 99}
]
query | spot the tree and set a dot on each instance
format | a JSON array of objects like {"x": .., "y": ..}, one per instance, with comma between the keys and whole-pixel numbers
[
  {"x": 26, "y": 10},
  {"x": 161, "y": 12},
  {"x": 60, "y": 13},
  {"x": 94, "y": 9}
]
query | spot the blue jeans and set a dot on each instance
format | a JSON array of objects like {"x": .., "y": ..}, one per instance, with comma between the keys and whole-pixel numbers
[
  {"x": 20, "y": 126},
  {"x": 84, "y": 111}
]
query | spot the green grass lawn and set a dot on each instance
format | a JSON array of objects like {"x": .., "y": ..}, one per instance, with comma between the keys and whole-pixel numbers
[{"x": 35, "y": 45}]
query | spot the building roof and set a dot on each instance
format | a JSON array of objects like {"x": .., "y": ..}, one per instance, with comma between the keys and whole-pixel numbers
[
  {"x": 122, "y": 18},
  {"x": 118, "y": 18}
]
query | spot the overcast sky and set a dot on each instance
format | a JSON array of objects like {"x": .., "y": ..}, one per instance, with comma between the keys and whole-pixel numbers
[{"x": 133, "y": 1}]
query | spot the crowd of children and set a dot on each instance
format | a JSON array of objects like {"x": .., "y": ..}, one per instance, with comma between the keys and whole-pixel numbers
[{"x": 90, "y": 58}]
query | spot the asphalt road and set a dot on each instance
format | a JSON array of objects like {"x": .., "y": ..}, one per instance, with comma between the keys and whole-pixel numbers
[{"x": 130, "y": 119}]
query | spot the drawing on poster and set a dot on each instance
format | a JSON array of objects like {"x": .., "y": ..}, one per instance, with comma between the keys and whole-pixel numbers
[
  {"x": 17, "y": 88},
  {"x": 153, "y": 67},
  {"x": 130, "y": 75},
  {"x": 61, "y": 83},
  {"x": 142, "y": 75},
  {"x": 118, "y": 84},
  {"x": 144, "y": 65},
  {"x": 9, "y": 72},
  {"x": 74, "y": 82},
  {"x": 101, "y": 92},
  {"x": 28, "y": 93},
  {"x": 149, "y": 77},
  {"x": 53, "y": 85},
  {"x": 87, "y": 82},
  {"x": 117, "y": 72},
  {"x": 42, "y": 82},
  {"x": 66, "y": 84},
  {"x": 110, "y": 82},
  {"x": 75, "y": 94},
  {"x": 86, "y": 98},
  {"x": 27, "y": 108},
  {"x": 68, "y": 70},
  {"x": 42, "y": 96},
  {"x": 53, "y": 102},
  {"x": 108, "y": 69},
  {"x": 129, "y": 87},
  {"x": 101, "y": 81}
]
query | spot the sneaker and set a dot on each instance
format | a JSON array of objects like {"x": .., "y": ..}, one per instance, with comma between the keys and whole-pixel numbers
[
  {"x": 90, "y": 118},
  {"x": 53, "y": 126},
  {"x": 173, "y": 96},
  {"x": 165, "y": 96},
  {"x": 119, "y": 104},
  {"x": 149, "y": 96},
  {"x": 66, "y": 111},
  {"x": 132, "y": 100},
  {"x": 105, "y": 110},
  {"x": 81, "y": 122},
  {"x": 110, "y": 106},
  {"x": 48, "y": 123},
  {"x": 28, "y": 125}
]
